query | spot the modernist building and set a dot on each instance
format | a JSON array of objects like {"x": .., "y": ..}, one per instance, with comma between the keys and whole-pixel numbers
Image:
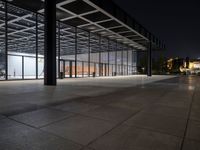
[{"x": 69, "y": 38}]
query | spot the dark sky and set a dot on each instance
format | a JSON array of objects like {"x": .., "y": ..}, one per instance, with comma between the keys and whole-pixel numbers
[{"x": 174, "y": 21}]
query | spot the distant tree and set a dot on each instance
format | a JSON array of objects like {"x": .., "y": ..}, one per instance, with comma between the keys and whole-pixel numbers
[{"x": 159, "y": 65}]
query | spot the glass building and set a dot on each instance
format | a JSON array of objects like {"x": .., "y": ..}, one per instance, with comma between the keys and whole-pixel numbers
[{"x": 93, "y": 38}]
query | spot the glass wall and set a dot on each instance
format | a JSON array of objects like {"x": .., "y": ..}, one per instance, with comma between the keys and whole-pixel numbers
[
  {"x": 83, "y": 50},
  {"x": 40, "y": 46},
  {"x": 125, "y": 59},
  {"x": 94, "y": 54},
  {"x": 134, "y": 61},
  {"x": 112, "y": 57},
  {"x": 21, "y": 43},
  {"x": 2, "y": 42},
  {"x": 130, "y": 61},
  {"x": 79, "y": 52},
  {"x": 67, "y": 49},
  {"x": 119, "y": 59}
]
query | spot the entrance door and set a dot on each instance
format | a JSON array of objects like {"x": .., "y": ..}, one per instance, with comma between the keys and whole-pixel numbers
[{"x": 69, "y": 68}]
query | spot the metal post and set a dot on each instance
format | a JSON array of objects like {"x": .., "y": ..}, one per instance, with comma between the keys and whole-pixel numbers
[
  {"x": 6, "y": 40},
  {"x": 50, "y": 43},
  {"x": 116, "y": 60},
  {"x": 70, "y": 69},
  {"x": 76, "y": 48},
  {"x": 132, "y": 58},
  {"x": 100, "y": 56},
  {"x": 63, "y": 68},
  {"x": 89, "y": 56},
  {"x": 59, "y": 73},
  {"x": 83, "y": 74},
  {"x": 149, "y": 57},
  {"x": 122, "y": 62},
  {"x": 95, "y": 72},
  {"x": 108, "y": 58},
  {"x": 127, "y": 62},
  {"x": 22, "y": 67},
  {"x": 36, "y": 44}
]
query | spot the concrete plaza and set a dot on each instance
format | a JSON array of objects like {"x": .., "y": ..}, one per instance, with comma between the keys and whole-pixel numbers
[{"x": 108, "y": 113}]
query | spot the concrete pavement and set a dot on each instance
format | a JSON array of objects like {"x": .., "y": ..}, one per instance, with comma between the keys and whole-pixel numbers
[{"x": 121, "y": 113}]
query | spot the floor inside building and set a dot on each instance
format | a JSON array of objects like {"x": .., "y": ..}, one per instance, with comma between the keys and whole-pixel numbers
[{"x": 105, "y": 113}]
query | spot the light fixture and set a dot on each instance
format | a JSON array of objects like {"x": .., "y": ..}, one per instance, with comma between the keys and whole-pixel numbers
[{"x": 2, "y": 5}]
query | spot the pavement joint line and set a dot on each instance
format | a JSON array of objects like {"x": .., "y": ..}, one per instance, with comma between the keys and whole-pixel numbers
[
  {"x": 188, "y": 119},
  {"x": 198, "y": 141},
  {"x": 117, "y": 125},
  {"x": 53, "y": 122},
  {"x": 66, "y": 101},
  {"x": 46, "y": 132},
  {"x": 153, "y": 130}
]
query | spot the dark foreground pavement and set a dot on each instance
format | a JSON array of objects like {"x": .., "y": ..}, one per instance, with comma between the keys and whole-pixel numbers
[{"x": 161, "y": 115}]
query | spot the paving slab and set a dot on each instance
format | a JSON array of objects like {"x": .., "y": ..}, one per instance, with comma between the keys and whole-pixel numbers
[
  {"x": 76, "y": 107},
  {"x": 156, "y": 113},
  {"x": 127, "y": 104},
  {"x": 16, "y": 136},
  {"x": 41, "y": 117},
  {"x": 131, "y": 138},
  {"x": 80, "y": 129},
  {"x": 140, "y": 99},
  {"x": 174, "y": 102},
  {"x": 165, "y": 124},
  {"x": 156, "y": 109},
  {"x": 195, "y": 113},
  {"x": 17, "y": 108},
  {"x": 103, "y": 99},
  {"x": 112, "y": 114},
  {"x": 191, "y": 145},
  {"x": 2, "y": 117},
  {"x": 193, "y": 130},
  {"x": 87, "y": 148}
]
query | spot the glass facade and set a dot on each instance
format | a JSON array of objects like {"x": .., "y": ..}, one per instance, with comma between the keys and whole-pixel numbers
[
  {"x": 79, "y": 53},
  {"x": 2, "y": 42}
]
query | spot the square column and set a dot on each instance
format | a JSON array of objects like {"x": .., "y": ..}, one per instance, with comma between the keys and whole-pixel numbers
[
  {"x": 50, "y": 43},
  {"x": 149, "y": 60}
]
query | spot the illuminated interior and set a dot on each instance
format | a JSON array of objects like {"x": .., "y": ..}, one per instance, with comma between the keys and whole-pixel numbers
[{"x": 90, "y": 42}]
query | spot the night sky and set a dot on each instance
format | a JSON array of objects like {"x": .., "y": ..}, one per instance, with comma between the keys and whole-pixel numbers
[{"x": 176, "y": 22}]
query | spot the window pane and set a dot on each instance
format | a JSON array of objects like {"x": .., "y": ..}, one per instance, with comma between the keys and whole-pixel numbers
[{"x": 2, "y": 42}]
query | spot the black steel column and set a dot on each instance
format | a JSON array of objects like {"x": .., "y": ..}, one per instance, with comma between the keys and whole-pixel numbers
[
  {"x": 127, "y": 62},
  {"x": 63, "y": 68},
  {"x": 83, "y": 74},
  {"x": 149, "y": 60},
  {"x": 89, "y": 56},
  {"x": 108, "y": 58},
  {"x": 70, "y": 69},
  {"x": 122, "y": 62},
  {"x": 95, "y": 72},
  {"x": 132, "y": 59},
  {"x": 6, "y": 41},
  {"x": 99, "y": 56},
  {"x": 36, "y": 44},
  {"x": 22, "y": 67},
  {"x": 76, "y": 48},
  {"x": 59, "y": 72},
  {"x": 116, "y": 60},
  {"x": 50, "y": 43}
]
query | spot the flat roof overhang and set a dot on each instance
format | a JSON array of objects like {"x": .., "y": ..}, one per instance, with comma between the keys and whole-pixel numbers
[{"x": 91, "y": 15}]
